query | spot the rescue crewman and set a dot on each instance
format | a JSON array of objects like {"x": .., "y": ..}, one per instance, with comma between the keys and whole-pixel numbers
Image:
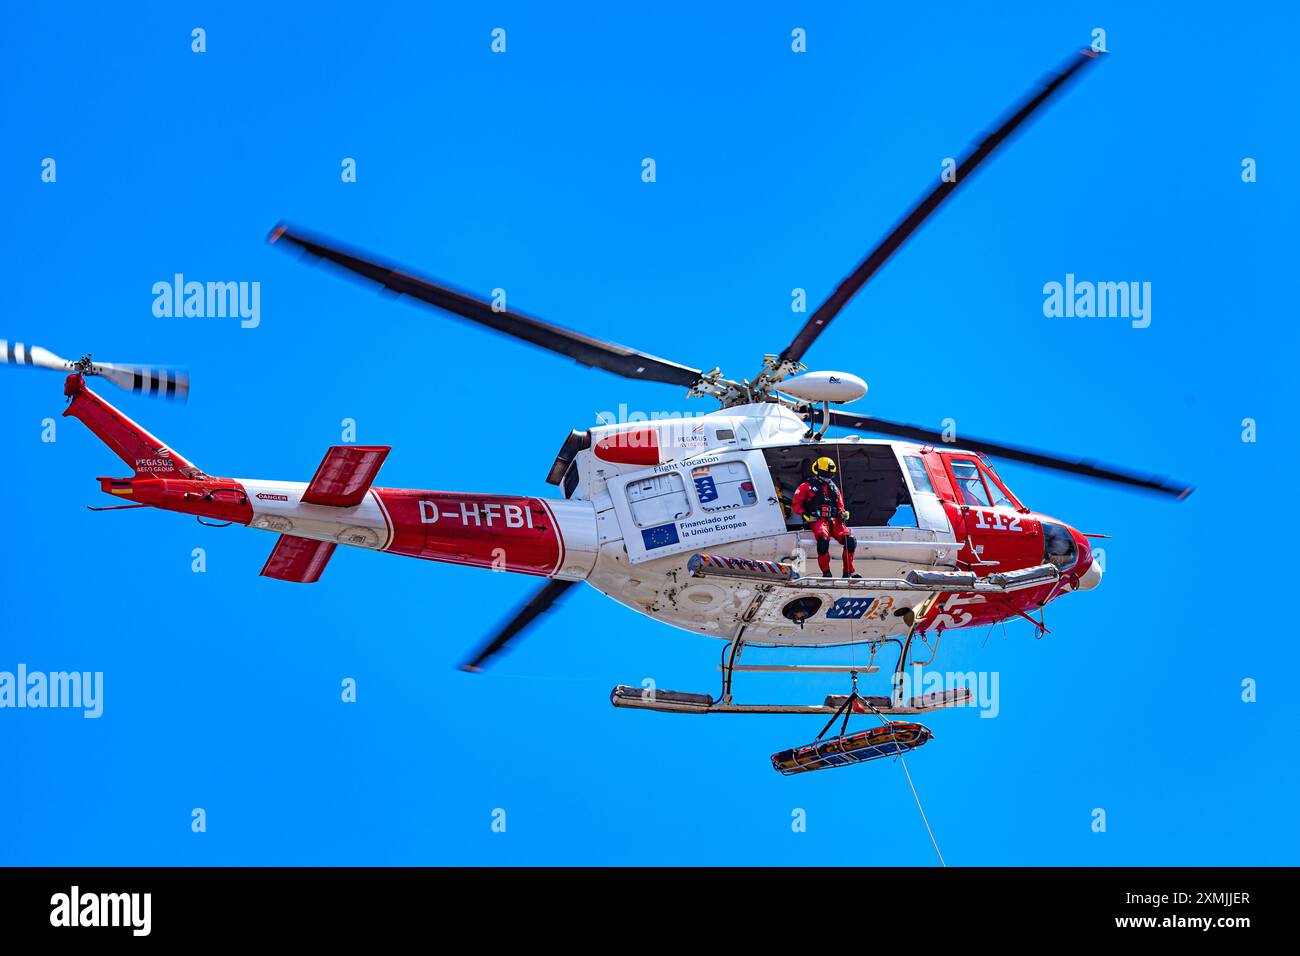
[{"x": 819, "y": 502}]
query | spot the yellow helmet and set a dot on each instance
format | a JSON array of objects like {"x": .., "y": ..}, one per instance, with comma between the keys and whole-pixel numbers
[{"x": 823, "y": 468}]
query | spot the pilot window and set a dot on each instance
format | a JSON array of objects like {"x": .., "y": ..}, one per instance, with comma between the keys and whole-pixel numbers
[
  {"x": 724, "y": 486},
  {"x": 869, "y": 477},
  {"x": 1000, "y": 499},
  {"x": 969, "y": 483},
  {"x": 996, "y": 494},
  {"x": 658, "y": 500}
]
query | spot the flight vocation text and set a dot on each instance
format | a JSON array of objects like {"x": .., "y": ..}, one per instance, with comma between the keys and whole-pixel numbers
[{"x": 486, "y": 515}]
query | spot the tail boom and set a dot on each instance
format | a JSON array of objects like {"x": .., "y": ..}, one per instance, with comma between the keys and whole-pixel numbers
[
  {"x": 541, "y": 536},
  {"x": 546, "y": 537},
  {"x": 526, "y": 535}
]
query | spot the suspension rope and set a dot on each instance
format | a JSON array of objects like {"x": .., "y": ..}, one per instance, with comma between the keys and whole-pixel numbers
[
  {"x": 915, "y": 796},
  {"x": 919, "y": 807}
]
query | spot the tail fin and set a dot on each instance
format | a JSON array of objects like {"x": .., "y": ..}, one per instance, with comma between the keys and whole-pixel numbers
[{"x": 145, "y": 454}]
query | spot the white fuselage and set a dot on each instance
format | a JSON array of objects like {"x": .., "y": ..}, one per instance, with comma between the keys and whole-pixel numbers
[{"x": 646, "y": 569}]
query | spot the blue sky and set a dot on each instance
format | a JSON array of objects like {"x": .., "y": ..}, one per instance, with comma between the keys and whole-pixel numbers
[{"x": 522, "y": 171}]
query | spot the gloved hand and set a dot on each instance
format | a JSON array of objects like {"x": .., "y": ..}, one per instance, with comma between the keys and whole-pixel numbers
[{"x": 845, "y": 514}]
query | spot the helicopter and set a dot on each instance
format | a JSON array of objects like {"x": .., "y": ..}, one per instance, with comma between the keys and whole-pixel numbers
[{"x": 687, "y": 520}]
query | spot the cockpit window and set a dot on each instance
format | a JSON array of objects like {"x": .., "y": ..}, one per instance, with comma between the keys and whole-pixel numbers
[
  {"x": 1059, "y": 548},
  {"x": 969, "y": 481},
  {"x": 1000, "y": 500}
]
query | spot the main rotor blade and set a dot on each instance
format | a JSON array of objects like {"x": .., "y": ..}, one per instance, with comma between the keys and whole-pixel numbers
[
  {"x": 927, "y": 205},
  {"x": 586, "y": 350},
  {"x": 541, "y": 601},
  {"x": 1082, "y": 467}
]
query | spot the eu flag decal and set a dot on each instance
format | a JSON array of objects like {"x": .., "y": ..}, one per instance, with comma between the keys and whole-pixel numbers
[
  {"x": 706, "y": 489},
  {"x": 660, "y": 536},
  {"x": 850, "y": 609}
]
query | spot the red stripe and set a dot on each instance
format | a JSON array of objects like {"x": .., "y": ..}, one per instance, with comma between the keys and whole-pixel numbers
[{"x": 559, "y": 536}]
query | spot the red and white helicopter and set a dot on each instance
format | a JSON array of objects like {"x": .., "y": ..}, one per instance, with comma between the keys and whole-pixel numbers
[{"x": 686, "y": 520}]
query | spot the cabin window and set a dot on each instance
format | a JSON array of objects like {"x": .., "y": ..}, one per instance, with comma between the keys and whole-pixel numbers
[
  {"x": 725, "y": 486},
  {"x": 658, "y": 500},
  {"x": 969, "y": 482},
  {"x": 868, "y": 475},
  {"x": 920, "y": 480},
  {"x": 725, "y": 434}
]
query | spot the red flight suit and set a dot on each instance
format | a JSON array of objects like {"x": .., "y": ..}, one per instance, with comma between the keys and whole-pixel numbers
[{"x": 820, "y": 501}]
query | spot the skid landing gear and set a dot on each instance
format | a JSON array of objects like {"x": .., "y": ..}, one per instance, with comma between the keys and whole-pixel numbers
[{"x": 680, "y": 702}]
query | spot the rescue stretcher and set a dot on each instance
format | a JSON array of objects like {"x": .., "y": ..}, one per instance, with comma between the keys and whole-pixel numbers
[{"x": 889, "y": 740}]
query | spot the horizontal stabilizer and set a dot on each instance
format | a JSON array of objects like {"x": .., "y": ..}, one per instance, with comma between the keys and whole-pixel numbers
[
  {"x": 345, "y": 475},
  {"x": 298, "y": 559}
]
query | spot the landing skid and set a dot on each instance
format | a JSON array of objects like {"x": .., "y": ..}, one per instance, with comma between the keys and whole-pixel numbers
[
  {"x": 682, "y": 702},
  {"x": 679, "y": 702},
  {"x": 892, "y": 738}
]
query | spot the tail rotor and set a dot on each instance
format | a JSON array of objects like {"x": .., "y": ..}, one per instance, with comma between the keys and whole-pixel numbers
[{"x": 154, "y": 381}]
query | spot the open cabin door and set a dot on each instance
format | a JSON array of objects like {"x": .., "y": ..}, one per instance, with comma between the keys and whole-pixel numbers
[
  {"x": 696, "y": 504},
  {"x": 868, "y": 474}
]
